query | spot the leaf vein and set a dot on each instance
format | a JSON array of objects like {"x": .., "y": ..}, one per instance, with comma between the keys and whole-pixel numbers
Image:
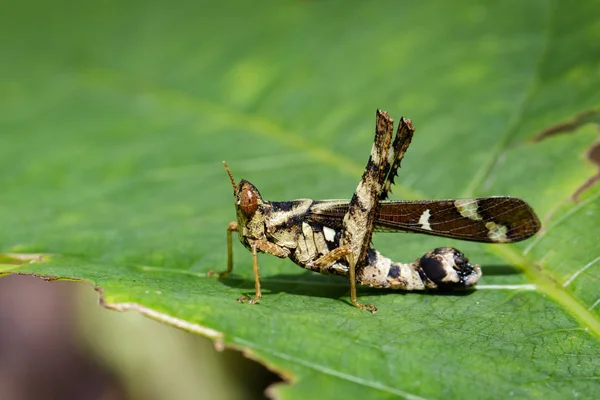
[{"x": 330, "y": 371}]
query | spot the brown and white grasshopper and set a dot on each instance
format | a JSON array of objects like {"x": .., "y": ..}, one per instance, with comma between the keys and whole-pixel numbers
[{"x": 334, "y": 236}]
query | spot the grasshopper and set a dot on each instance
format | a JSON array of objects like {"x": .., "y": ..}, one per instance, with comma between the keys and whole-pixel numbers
[{"x": 334, "y": 236}]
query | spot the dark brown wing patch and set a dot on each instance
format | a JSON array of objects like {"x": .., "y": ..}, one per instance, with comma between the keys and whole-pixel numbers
[{"x": 487, "y": 219}]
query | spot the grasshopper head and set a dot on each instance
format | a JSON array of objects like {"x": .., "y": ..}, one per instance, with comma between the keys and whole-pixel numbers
[
  {"x": 247, "y": 198},
  {"x": 248, "y": 204}
]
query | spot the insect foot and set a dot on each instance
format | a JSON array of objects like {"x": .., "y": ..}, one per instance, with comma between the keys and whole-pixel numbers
[
  {"x": 368, "y": 307},
  {"x": 447, "y": 267},
  {"x": 219, "y": 274},
  {"x": 250, "y": 300}
]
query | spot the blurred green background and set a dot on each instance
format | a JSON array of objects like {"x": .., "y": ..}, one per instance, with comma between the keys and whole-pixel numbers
[
  {"x": 56, "y": 343},
  {"x": 115, "y": 116}
]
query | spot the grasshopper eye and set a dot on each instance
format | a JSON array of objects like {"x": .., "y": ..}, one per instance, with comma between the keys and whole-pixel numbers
[{"x": 248, "y": 203}]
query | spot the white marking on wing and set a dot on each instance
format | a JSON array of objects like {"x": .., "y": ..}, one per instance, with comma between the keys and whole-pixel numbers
[
  {"x": 577, "y": 273},
  {"x": 468, "y": 208},
  {"x": 496, "y": 232},
  {"x": 424, "y": 220},
  {"x": 526, "y": 286},
  {"x": 329, "y": 234}
]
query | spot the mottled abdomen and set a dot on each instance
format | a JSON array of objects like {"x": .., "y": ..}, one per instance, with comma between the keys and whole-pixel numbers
[{"x": 442, "y": 268}]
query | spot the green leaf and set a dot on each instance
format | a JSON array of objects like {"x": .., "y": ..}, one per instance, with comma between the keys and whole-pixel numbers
[{"x": 115, "y": 119}]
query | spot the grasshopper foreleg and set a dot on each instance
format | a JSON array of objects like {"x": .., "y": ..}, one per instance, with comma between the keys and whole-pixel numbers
[
  {"x": 265, "y": 247},
  {"x": 232, "y": 227}
]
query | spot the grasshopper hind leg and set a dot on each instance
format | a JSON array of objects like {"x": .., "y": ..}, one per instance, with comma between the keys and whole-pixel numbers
[{"x": 396, "y": 153}]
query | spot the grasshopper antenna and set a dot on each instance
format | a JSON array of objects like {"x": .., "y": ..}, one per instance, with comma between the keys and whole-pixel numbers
[{"x": 230, "y": 176}]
